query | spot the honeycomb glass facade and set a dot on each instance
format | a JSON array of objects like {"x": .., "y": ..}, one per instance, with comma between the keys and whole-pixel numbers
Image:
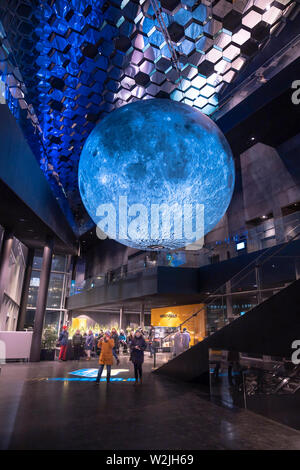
[{"x": 80, "y": 60}]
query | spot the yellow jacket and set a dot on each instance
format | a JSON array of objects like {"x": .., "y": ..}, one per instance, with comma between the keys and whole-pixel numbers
[{"x": 106, "y": 355}]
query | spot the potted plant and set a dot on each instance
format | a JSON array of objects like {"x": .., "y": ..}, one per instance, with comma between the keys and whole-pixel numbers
[{"x": 49, "y": 340}]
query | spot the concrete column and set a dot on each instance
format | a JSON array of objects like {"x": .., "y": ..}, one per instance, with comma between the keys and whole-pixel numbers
[
  {"x": 74, "y": 267},
  {"x": 25, "y": 290},
  {"x": 41, "y": 302},
  {"x": 142, "y": 316},
  {"x": 121, "y": 318},
  {"x": 8, "y": 239}
]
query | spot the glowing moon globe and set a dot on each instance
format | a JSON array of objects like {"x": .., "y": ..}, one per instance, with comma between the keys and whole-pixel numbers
[{"x": 156, "y": 174}]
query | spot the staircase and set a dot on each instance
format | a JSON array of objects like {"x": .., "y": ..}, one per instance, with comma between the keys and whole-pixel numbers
[{"x": 269, "y": 329}]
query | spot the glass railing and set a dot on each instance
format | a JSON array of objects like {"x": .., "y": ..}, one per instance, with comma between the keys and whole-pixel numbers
[
  {"x": 88, "y": 284},
  {"x": 272, "y": 270},
  {"x": 250, "y": 240},
  {"x": 262, "y": 384}
]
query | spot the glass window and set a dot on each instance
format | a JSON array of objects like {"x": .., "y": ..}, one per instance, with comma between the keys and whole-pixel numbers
[
  {"x": 29, "y": 319},
  {"x": 52, "y": 319},
  {"x": 33, "y": 288},
  {"x": 55, "y": 290},
  {"x": 58, "y": 263},
  {"x": 38, "y": 259},
  {"x": 216, "y": 315}
]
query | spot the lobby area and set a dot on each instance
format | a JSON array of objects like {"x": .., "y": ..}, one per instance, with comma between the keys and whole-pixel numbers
[
  {"x": 150, "y": 228},
  {"x": 42, "y": 409}
]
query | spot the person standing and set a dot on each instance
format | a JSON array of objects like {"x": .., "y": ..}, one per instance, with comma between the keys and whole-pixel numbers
[
  {"x": 63, "y": 342},
  {"x": 151, "y": 340},
  {"x": 89, "y": 344},
  {"x": 186, "y": 339},
  {"x": 130, "y": 337},
  {"x": 106, "y": 345},
  {"x": 77, "y": 345},
  {"x": 115, "y": 337},
  {"x": 178, "y": 345},
  {"x": 122, "y": 340},
  {"x": 100, "y": 336},
  {"x": 137, "y": 348}
]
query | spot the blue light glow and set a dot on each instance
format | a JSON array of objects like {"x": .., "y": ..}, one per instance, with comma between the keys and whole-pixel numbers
[
  {"x": 89, "y": 373},
  {"x": 88, "y": 379},
  {"x": 155, "y": 152}
]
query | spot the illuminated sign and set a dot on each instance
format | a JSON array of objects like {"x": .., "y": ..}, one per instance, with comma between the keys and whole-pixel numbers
[
  {"x": 172, "y": 317},
  {"x": 241, "y": 246},
  {"x": 168, "y": 315}
]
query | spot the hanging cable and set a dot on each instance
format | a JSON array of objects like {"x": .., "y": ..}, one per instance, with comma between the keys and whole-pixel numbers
[{"x": 174, "y": 56}]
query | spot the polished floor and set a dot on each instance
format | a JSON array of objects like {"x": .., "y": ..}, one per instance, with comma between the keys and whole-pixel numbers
[{"x": 41, "y": 408}]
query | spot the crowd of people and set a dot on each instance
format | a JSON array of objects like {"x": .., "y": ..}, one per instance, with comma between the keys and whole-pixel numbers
[{"x": 107, "y": 345}]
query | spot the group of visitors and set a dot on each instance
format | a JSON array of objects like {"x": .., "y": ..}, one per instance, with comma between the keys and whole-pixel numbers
[
  {"x": 85, "y": 344},
  {"x": 107, "y": 345},
  {"x": 137, "y": 345}
]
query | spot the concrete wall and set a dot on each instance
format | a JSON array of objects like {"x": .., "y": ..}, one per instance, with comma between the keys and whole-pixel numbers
[
  {"x": 267, "y": 179},
  {"x": 267, "y": 183},
  {"x": 105, "y": 256}
]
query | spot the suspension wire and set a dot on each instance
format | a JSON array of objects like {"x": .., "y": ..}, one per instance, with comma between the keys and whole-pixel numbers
[{"x": 174, "y": 56}]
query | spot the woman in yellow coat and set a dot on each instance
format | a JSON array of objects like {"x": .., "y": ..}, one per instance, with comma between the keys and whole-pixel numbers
[{"x": 106, "y": 345}]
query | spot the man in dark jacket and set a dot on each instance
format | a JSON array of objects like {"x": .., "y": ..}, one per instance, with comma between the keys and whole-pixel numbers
[
  {"x": 77, "y": 345},
  {"x": 115, "y": 337},
  {"x": 63, "y": 342},
  {"x": 98, "y": 343},
  {"x": 151, "y": 340},
  {"x": 137, "y": 348}
]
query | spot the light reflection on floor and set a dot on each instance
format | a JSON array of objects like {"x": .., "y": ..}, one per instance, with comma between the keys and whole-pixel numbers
[
  {"x": 88, "y": 379},
  {"x": 90, "y": 373}
]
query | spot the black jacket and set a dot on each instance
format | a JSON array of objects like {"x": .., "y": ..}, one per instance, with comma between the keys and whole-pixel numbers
[
  {"x": 77, "y": 340},
  {"x": 115, "y": 337},
  {"x": 137, "y": 355}
]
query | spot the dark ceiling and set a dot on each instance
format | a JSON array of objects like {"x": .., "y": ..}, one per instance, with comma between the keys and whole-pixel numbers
[{"x": 26, "y": 225}]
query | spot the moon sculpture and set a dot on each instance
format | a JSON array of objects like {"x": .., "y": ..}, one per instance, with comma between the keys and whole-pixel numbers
[{"x": 156, "y": 174}]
